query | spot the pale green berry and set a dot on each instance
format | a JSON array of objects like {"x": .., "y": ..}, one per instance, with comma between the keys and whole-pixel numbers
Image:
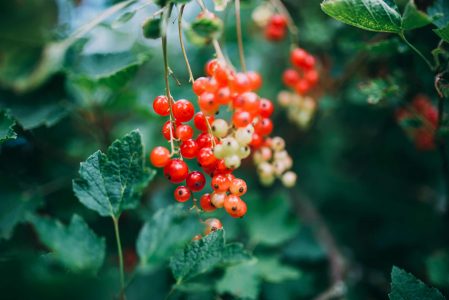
[
  {"x": 243, "y": 136},
  {"x": 219, "y": 151},
  {"x": 232, "y": 161},
  {"x": 244, "y": 152},
  {"x": 267, "y": 180},
  {"x": 280, "y": 155},
  {"x": 289, "y": 179},
  {"x": 288, "y": 162},
  {"x": 284, "y": 98},
  {"x": 277, "y": 144},
  {"x": 230, "y": 145},
  {"x": 265, "y": 169},
  {"x": 217, "y": 199},
  {"x": 220, "y": 128},
  {"x": 279, "y": 167}
]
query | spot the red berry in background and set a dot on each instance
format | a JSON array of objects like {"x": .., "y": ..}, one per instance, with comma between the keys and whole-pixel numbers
[
  {"x": 199, "y": 85},
  {"x": 266, "y": 108},
  {"x": 290, "y": 77},
  {"x": 257, "y": 141},
  {"x": 274, "y": 33},
  {"x": 206, "y": 157},
  {"x": 432, "y": 116},
  {"x": 176, "y": 170},
  {"x": 424, "y": 140},
  {"x": 212, "y": 85},
  {"x": 221, "y": 75},
  {"x": 302, "y": 86},
  {"x": 161, "y": 106},
  {"x": 311, "y": 76},
  {"x": 421, "y": 103},
  {"x": 223, "y": 96},
  {"x": 183, "y": 110},
  {"x": 278, "y": 20},
  {"x": 189, "y": 149},
  {"x": 182, "y": 194},
  {"x": 250, "y": 102},
  {"x": 220, "y": 183},
  {"x": 255, "y": 80},
  {"x": 200, "y": 121},
  {"x": 195, "y": 181},
  {"x": 160, "y": 156},
  {"x": 309, "y": 62},
  {"x": 184, "y": 132},
  {"x": 297, "y": 57},
  {"x": 205, "y": 203},
  {"x": 241, "y": 118}
]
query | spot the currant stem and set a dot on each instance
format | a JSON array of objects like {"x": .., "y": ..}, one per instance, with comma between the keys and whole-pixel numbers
[
  {"x": 120, "y": 257},
  {"x": 294, "y": 31},
  {"x": 189, "y": 69},
  {"x": 239, "y": 35},
  {"x": 402, "y": 35}
]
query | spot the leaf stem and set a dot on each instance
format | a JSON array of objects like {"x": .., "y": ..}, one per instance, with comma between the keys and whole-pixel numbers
[
  {"x": 120, "y": 257},
  {"x": 239, "y": 35},
  {"x": 189, "y": 69},
  {"x": 429, "y": 64}
]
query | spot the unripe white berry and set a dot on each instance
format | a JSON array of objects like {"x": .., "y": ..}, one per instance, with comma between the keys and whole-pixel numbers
[
  {"x": 217, "y": 199},
  {"x": 230, "y": 145},
  {"x": 279, "y": 167},
  {"x": 219, "y": 151},
  {"x": 265, "y": 169},
  {"x": 288, "y": 162},
  {"x": 289, "y": 179},
  {"x": 232, "y": 161},
  {"x": 244, "y": 152},
  {"x": 220, "y": 128},
  {"x": 284, "y": 98},
  {"x": 280, "y": 155},
  {"x": 243, "y": 136},
  {"x": 277, "y": 144},
  {"x": 267, "y": 180}
]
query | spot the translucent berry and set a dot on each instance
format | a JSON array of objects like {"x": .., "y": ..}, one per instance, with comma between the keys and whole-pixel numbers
[
  {"x": 184, "y": 132},
  {"x": 289, "y": 179},
  {"x": 206, "y": 157},
  {"x": 241, "y": 118},
  {"x": 161, "y": 105},
  {"x": 182, "y": 194},
  {"x": 176, "y": 170},
  {"x": 238, "y": 187},
  {"x": 200, "y": 121},
  {"x": 189, "y": 149},
  {"x": 220, "y": 128},
  {"x": 232, "y": 161},
  {"x": 266, "y": 108},
  {"x": 243, "y": 136},
  {"x": 183, "y": 110},
  {"x": 199, "y": 85},
  {"x": 159, "y": 157},
  {"x": 195, "y": 181},
  {"x": 206, "y": 204},
  {"x": 217, "y": 199},
  {"x": 212, "y": 225},
  {"x": 220, "y": 183}
]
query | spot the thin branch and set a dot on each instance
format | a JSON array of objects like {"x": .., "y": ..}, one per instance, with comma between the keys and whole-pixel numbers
[
  {"x": 294, "y": 32},
  {"x": 120, "y": 257},
  {"x": 239, "y": 35},
  {"x": 402, "y": 35},
  {"x": 184, "y": 53}
]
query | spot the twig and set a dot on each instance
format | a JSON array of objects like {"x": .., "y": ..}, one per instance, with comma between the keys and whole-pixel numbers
[
  {"x": 120, "y": 257},
  {"x": 184, "y": 53},
  {"x": 239, "y": 35}
]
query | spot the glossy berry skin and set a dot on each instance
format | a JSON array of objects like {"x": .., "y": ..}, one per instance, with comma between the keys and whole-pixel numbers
[
  {"x": 183, "y": 110},
  {"x": 212, "y": 224},
  {"x": 240, "y": 211},
  {"x": 199, "y": 85},
  {"x": 182, "y": 194},
  {"x": 195, "y": 181},
  {"x": 235, "y": 206},
  {"x": 266, "y": 108},
  {"x": 298, "y": 57},
  {"x": 184, "y": 132},
  {"x": 264, "y": 127},
  {"x": 290, "y": 77},
  {"x": 167, "y": 132},
  {"x": 204, "y": 140},
  {"x": 159, "y": 157},
  {"x": 273, "y": 33},
  {"x": 207, "y": 103},
  {"x": 241, "y": 118},
  {"x": 220, "y": 183},
  {"x": 240, "y": 83},
  {"x": 176, "y": 170},
  {"x": 161, "y": 105},
  {"x": 206, "y": 157},
  {"x": 255, "y": 80},
  {"x": 189, "y": 149},
  {"x": 200, "y": 121},
  {"x": 205, "y": 203},
  {"x": 238, "y": 187}
]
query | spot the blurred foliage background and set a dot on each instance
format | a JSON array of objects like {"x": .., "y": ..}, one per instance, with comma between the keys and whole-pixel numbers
[{"x": 366, "y": 198}]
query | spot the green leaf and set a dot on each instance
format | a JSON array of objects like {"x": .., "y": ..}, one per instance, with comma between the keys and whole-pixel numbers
[
  {"x": 127, "y": 16},
  {"x": 405, "y": 286},
  {"x": 152, "y": 28},
  {"x": 270, "y": 269},
  {"x": 241, "y": 281},
  {"x": 208, "y": 26},
  {"x": 14, "y": 207},
  {"x": 112, "y": 182},
  {"x": 7, "y": 128},
  {"x": 168, "y": 230},
  {"x": 438, "y": 269},
  {"x": 204, "y": 255},
  {"x": 439, "y": 12},
  {"x": 75, "y": 246},
  {"x": 443, "y": 33},
  {"x": 414, "y": 18},
  {"x": 269, "y": 221},
  {"x": 374, "y": 15}
]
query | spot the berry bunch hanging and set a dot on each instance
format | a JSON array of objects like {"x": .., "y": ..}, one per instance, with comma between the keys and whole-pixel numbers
[
  {"x": 300, "y": 109},
  {"x": 274, "y": 24},
  {"x": 419, "y": 120}
]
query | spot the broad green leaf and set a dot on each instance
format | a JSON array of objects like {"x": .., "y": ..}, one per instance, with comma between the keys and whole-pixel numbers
[
  {"x": 168, "y": 230},
  {"x": 112, "y": 182},
  {"x": 7, "y": 128},
  {"x": 405, "y": 286},
  {"x": 272, "y": 270},
  {"x": 438, "y": 269},
  {"x": 14, "y": 207},
  {"x": 374, "y": 15},
  {"x": 204, "y": 255},
  {"x": 75, "y": 246},
  {"x": 241, "y": 281},
  {"x": 414, "y": 18},
  {"x": 443, "y": 33},
  {"x": 269, "y": 221},
  {"x": 439, "y": 12}
]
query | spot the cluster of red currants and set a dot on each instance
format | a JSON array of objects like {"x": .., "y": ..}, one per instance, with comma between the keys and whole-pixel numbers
[
  {"x": 419, "y": 119},
  {"x": 304, "y": 75},
  {"x": 276, "y": 28}
]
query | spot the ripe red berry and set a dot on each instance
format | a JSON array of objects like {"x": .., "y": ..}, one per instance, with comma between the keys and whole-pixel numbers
[
  {"x": 205, "y": 203},
  {"x": 297, "y": 57},
  {"x": 211, "y": 66},
  {"x": 311, "y": 76},
  {"x": 183, "y": 110},
  {"x": 264, "y": 127},
  {"x": 223, "y": 95},
  {"x": 240, "y": 83},
  {"x": 176, "y": 170},
  {"x": 309, "y": 62},
  {"x": 207, "y": 103},
  {"x": 200, "y": 121},
  {"x": 159, "y": 157},
  {"x": 220, "y": 183},
  {"x": 167, "y": 132},
  {"x": 204, "y": 140},
  {"x": 206, "y": 157},
  {"x": 212, "y": 225},
  {"x": 241, "y": 118},
  {"x": 266, "y": 108},
  {"x": 290, "y": 77},
  {"x": 250, "y": 102},
  {"x": 302, "y": 86},
  {"x": 257, "y": 141},
  {"x": 255, "y": 80},
  {"x": 274, "y": 33},
  {"x": 184, "y": 132},
  {"x": 199, "y": 85},
  {"x": 161, "y": 105},
  {"x": 235, "y": 206},
  {"x": 238, "y": 187},
  {"x": 278, "y": 20},
  {"x": 182, "y": 194},
  {"x": 189, "y": 149},
  {"x": 195, "y": 181}
]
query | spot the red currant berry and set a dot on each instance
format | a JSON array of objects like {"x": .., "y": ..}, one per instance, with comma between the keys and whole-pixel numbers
[
  {"x": 238, "y": 187},
  {"x": 223, "y": 96},
  {"x": 250, "y": 102},
  {"x": 297, "y": 57},
  {"x": 240, "y": 83},
  {"x": 189, "y": 149},
  {"x": 211, "y": 67},
  {"x": 207, "y": 103},
  {"x": 204, "y": 140},
  {"x": 309, "y": 62},
  {"x": 167, "y": 132},
  {"x": 311, "y": 76},
  {"x": 278, "y": 20},
  {"x": 182, "y": 194},
  {"x": 302, "y": 87},
  {"x": 212, "y": 225},
  {"x": 274, "y": 33},
  {"x": 264, "y": 127},
  {"x": 290, "y": 77},
  {"x": 266, "y": 108},
  {"x": 220, "y": 183},
  {"x": 184, "y": 132},
  {"x": 176, "y": 170},
  {"x": 257, "y": 141},
  {"x": 200, "y": 121},
  {"x": 234, "y": 206},
  {"x": 161, "y": 106},
  {"x": 183, "y": 110},
  {"x": 195, "y": 181},
  {"x": 241, "y": 118},
  {"x": 159, "y": 157},
  {"x": 206, "y": 157},
  {"x": 199, "y": 85},
  {"x": 255, "y": 80},
  {"x": 205, "y": 203}
]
